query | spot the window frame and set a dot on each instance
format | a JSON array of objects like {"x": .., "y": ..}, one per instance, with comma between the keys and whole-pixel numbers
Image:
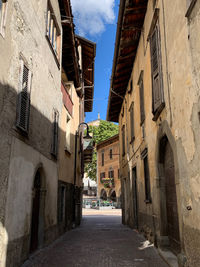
[
  {"x": 55, "y": 128},
  {"x": 123, "y": 141},
  {"x": 23, "y": 96},
  {"x": 52, "y": 27},
  {"x": 147, "y": 184},
  {"x": 132, "y": 124},
  {"x": 68, "y": 134},
  {"x": 158, "y": 102},
  {"x": 3, "y": 16},
  {"x": 141, "y": 93},
  {"x": 102, "y": 158},
  {"x": 110, "y": 153}
]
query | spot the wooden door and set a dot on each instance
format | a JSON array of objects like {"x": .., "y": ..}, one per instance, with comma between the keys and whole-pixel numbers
[
  {"x": 135, "y": 201},
  {"x": 35, "y": 213},
  {"x": 171, "y": 200}
]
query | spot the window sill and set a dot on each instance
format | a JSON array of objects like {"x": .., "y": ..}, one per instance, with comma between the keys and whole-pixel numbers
[
  {"x": 67, "y": 151},
  {"x": 54, "y": 54},
  {"x": 132, "y": 140},
  {"x": 158, "y": 111},
  {"x": 190, "y": 8},
  {"x": 21, "y": 131},
  {"x": 147, "y": 201}
]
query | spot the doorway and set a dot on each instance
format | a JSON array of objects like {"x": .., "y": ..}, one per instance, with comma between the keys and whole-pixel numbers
[
  {"x": 36, "y": 238},
  {"x": 135, "y": 199},
  {"x": 171, "y": 199}
]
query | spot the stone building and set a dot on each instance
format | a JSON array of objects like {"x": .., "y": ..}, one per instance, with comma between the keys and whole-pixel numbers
[
  {"x": 108, "y": 182},
  {"x": 31, "y": 123},
  {"x": 155, "y": 97}
]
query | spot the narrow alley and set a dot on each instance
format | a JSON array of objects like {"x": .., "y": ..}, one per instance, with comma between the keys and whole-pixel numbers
[{"x": 100, "y": 241}]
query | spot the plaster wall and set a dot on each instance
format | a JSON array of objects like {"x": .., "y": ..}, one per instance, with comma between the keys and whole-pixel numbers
[
  {"x": 25, "y": 37},
  {"x": 66, "y": 162},
  {"x": 179, "y": 121}
]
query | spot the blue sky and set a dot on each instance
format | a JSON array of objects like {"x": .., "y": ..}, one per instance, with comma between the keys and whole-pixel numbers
[{"x": 102, "y": 31}]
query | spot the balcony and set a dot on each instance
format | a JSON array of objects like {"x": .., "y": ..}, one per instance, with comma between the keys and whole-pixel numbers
[
  {"x": 67, "y": 99},
  {"x": 108, "y": 182}
]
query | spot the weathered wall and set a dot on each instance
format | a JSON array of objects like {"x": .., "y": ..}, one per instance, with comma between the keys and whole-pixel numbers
[
  {"x": 20, "y": 156},
  {"x": 179, "y": 121}
]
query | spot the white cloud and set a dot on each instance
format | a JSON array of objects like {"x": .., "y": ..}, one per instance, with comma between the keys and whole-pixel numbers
[{"x": 92, "y": 15}]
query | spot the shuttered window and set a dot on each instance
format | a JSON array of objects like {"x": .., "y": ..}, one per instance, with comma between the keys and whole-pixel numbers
[
  {"x": 54, "y": 147},
  {"x": 132, "y": 131},
  {"x": 141, "y": 89},
  {"x": 23, "y": 104},
  {"x": 156, "y": 69},
  {"x": 123, "y": 140},
  {"x": 144, "y": 156}
]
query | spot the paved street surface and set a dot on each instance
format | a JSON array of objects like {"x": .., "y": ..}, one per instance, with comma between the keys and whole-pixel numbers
[{"x": 100, "y": 241}]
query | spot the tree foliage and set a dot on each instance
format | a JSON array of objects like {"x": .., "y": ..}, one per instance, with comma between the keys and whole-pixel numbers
[{"x": 100, "y": 133}]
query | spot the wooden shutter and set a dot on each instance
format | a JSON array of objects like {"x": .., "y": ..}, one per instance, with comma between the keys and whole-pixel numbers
[
  {"x": 157, "y": 85},
  {"x": 142, "y": 112},
  {"x": 55, "y": 135},
  {"x": 23, "y": 104},
  {"x": 123, "y": 140},
  {"x": 132, "y": 122}
]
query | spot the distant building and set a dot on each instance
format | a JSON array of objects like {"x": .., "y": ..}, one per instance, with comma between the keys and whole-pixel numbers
[
  {"x": 89, "y": 187},
  {"x": 108, "y": 182}
]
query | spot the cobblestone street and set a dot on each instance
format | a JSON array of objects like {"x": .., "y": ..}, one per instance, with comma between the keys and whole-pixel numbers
[{"x": 100, "y": 241}]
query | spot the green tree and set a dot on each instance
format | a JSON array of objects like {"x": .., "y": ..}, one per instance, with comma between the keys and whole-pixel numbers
[{"x": 100, "y": 133}]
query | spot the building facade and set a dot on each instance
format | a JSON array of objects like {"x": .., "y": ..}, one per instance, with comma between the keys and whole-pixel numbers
[
  {"x": 31, "y": 124},
  {"x": 155, "y": 98},
  {"x": 108, "y": 182}
]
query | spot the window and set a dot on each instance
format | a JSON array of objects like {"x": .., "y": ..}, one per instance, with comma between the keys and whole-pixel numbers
[
  {"x": 111, "y": 155},
  {"x": 61, "y": 203},
  {"x": 131, "y": 87},
  {"x": 141, "y": 89},
  {"x": 3, "y": 12},
  {"x": 102, "y": 175},
  {"x": 52, "y": 31},
  {"x": 68, "y": 134},
  {"x": 23, "y": 103},
  {"x": 131, "y": 110},
  {"x": 146, "y": 176},
  {"x": 54, "y": 146},
  {"x": 102, "y": 159},
  {"x": 123, "y": 140},
  {"x": 118, "y": 174},
  {"x": 111, "y": 174},
  {"x": 157, "y": 82}
]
